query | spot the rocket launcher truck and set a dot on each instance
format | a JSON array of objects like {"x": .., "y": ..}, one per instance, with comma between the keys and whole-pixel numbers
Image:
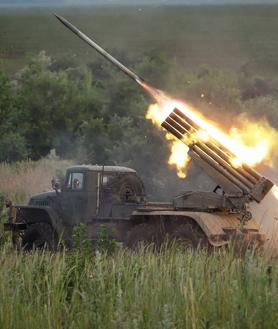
[{"x": 114, "y": 197}]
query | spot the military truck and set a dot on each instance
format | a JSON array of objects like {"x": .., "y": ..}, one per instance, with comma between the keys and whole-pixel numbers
[{"x": 115, "y": 197}]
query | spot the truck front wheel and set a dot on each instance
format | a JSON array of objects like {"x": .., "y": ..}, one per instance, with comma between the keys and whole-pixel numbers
[{"x": 39, "y": 236}]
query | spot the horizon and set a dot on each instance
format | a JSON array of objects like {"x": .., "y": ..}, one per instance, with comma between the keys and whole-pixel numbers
[{"x": 81, "y": 3}]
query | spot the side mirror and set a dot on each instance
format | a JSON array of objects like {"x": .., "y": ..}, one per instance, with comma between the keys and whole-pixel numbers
[{"x": 56, "y": 185}]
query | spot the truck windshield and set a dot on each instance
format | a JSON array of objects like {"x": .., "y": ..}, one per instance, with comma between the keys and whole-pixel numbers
[{"x": 75, "y": 181}]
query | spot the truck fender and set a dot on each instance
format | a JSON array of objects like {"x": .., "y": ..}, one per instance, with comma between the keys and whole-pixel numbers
[
  {"x": 50, "y": 215},
  {"x": 220, "y": 227},
  {"x": 216, "y": 226}
]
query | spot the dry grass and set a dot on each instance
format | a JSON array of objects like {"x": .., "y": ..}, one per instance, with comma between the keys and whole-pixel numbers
[{"x": 20, "y": 180}]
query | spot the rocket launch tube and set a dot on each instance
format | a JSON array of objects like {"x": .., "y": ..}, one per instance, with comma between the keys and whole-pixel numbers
[
  {"x": 206, "y": 149},
  {"x": 100, "y": 50},
  {"x": 210, "y": 158},
  {"x": 250, "y": 170},
  {"x": 185, "y": 123},
  {"x": 219, "y": 168},
  {"x": 217, "y": 159}
]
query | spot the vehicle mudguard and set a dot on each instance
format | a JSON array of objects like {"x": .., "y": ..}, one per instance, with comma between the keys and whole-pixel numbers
[
  {"x": 217, "y": 226},
  {"x": 54, "y": 218}
]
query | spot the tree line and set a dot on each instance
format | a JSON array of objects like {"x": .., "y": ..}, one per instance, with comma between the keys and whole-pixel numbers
[{"x": 94, "y": 114}]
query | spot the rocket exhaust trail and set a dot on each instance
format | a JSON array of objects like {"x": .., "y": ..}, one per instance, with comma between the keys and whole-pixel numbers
[{"x": 155, "y": 93}]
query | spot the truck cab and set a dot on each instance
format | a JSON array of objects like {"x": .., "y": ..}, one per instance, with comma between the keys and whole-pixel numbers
[
  {"x": 94, "y": 192},
  {"x": 89, "y": 194}
]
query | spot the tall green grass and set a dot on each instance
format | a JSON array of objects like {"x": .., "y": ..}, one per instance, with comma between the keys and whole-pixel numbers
[{"x": 142, "y": 289}]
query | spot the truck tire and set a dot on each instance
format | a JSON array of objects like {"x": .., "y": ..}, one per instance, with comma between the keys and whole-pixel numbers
[
  {"x": 39, "y": 236},
  {"x": 144, "y": 234},
  {"x": 188, "y": 235}
]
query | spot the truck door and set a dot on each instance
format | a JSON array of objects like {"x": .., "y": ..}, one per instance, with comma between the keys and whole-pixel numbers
[{"x": 75, "y": 198}]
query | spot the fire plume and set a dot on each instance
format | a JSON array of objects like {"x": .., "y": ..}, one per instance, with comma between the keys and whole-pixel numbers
[{"x": 249, "y": 143}]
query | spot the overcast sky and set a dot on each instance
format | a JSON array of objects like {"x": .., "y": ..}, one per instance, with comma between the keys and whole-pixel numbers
[{"x": 125, "y": 2}]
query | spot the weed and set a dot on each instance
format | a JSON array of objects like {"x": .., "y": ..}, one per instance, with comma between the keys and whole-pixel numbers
[{"x": 106, "y": 241}]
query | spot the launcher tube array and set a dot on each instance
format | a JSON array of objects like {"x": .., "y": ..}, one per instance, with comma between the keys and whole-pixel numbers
[{"x": 217, "y": 156}]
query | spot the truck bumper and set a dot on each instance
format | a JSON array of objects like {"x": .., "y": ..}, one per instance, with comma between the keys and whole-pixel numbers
[{"x": 14, "y": 227}]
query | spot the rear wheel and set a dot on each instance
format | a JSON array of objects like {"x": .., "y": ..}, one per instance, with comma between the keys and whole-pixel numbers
[
  {"x": 39, "y": 236},
  {"x": 188, "y": 235},
  {"x": 182, "y": 232},
  {"x": 144, "y": 234}
]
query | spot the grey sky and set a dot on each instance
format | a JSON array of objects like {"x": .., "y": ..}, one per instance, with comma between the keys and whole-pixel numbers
[{"x": 126, "y": 2}]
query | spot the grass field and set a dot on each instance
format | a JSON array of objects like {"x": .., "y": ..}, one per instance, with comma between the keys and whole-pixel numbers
[
  {"x": 226, "y": 37},
  {"x": 168, "y": 289}
]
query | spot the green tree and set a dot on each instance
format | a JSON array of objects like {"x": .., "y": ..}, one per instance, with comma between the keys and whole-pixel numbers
[
  {"x": 53, "y": 106},
  {"x": 12, "y": 142}
]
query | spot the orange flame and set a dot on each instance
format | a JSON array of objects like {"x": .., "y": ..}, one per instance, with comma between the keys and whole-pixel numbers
[
  {"x": 179, "y": 155},
  {"x": 252, "y": 144}
]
